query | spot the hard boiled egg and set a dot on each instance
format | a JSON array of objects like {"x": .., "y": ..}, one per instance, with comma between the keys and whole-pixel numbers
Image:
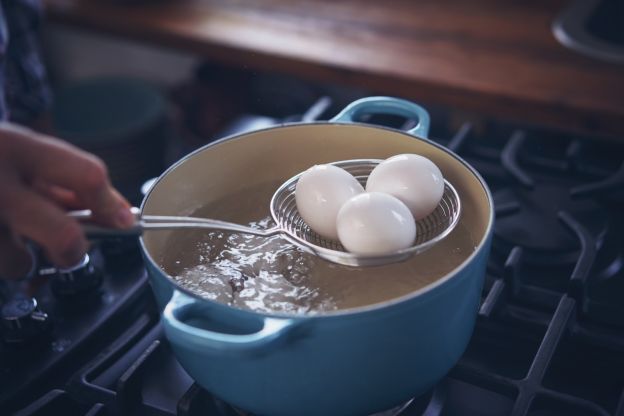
[
  {"x": 320, "y": 193},
  {"x": 375, "y": 223},
  {"x": 413, "y": 179}
]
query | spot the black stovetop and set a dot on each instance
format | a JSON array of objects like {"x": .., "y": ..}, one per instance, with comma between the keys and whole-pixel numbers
[{"x": 549, "y": 339}]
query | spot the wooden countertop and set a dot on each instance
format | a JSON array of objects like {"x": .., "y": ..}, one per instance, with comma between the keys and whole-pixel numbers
[{"x": 490, "y": 56}]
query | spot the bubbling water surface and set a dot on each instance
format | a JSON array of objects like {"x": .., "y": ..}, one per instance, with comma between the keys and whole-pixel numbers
[{"x": 272, "y": 275}]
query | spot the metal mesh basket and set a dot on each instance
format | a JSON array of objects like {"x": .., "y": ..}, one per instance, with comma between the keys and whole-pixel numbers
[{"x": 429, "y": 230}]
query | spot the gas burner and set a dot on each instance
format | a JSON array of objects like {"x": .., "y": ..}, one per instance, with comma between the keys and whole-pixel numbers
[
  {"x": 548, "y": 339},
  {"x": 528, "y": 217}
]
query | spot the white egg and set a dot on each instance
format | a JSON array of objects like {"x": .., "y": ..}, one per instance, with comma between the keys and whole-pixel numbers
[
  {"x": 375, "y": 223},
  {"x": 414, "y": 179},
  {"x": 320, "y": 193}
]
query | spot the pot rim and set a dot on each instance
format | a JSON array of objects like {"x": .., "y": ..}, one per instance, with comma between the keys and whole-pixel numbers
[{"x": 429, "y": 288}]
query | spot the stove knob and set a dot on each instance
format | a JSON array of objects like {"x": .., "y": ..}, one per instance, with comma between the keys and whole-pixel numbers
[
  {"x": 22, "y": 319},
  {"x": 82, "y": 278}
]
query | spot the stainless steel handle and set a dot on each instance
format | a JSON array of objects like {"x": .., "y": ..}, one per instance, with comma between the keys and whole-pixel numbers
[
  {"x": 86, "y": 214},
  {"x": 94, "y": 231},
  {"x": 163, "y": 222}
]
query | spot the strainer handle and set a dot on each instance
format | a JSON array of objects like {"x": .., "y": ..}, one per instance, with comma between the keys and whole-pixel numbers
[
  {"x": 387, "y": 105},
  {"x": 163, "y": 222}
]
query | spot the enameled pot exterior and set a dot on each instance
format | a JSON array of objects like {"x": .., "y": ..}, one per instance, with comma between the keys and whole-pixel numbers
[{"x": 352, "y": 362}]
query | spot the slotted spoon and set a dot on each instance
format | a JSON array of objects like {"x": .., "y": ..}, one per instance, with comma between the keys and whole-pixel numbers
[{"x": 429, "y": 230}]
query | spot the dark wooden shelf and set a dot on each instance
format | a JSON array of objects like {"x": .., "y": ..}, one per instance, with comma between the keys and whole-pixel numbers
[{"x": 491, "y": 56}]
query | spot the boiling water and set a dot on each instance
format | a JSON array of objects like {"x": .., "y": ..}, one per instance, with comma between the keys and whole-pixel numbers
[{"x": 270, "y": 274}]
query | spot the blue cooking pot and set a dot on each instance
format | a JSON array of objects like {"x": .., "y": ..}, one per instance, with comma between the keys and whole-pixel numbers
[{"x": 347, "y": 362}]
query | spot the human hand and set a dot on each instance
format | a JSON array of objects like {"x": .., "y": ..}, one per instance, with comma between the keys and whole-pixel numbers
[{"x": 40, "y": 178}]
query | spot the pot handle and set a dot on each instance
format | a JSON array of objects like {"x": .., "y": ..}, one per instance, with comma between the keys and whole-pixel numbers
[
  {"x": 273, "y": 331},
  {"x": 387, "y": 105}
]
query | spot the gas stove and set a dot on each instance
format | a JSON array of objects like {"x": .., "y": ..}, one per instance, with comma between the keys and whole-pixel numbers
[{"x": 549, "y": 339}]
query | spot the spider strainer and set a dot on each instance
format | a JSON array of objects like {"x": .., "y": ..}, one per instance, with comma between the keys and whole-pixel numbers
[{"x": 429, "y": 230}]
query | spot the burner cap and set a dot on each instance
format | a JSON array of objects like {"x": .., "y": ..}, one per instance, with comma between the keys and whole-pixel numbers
[{"x": 533, "y": 222}]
